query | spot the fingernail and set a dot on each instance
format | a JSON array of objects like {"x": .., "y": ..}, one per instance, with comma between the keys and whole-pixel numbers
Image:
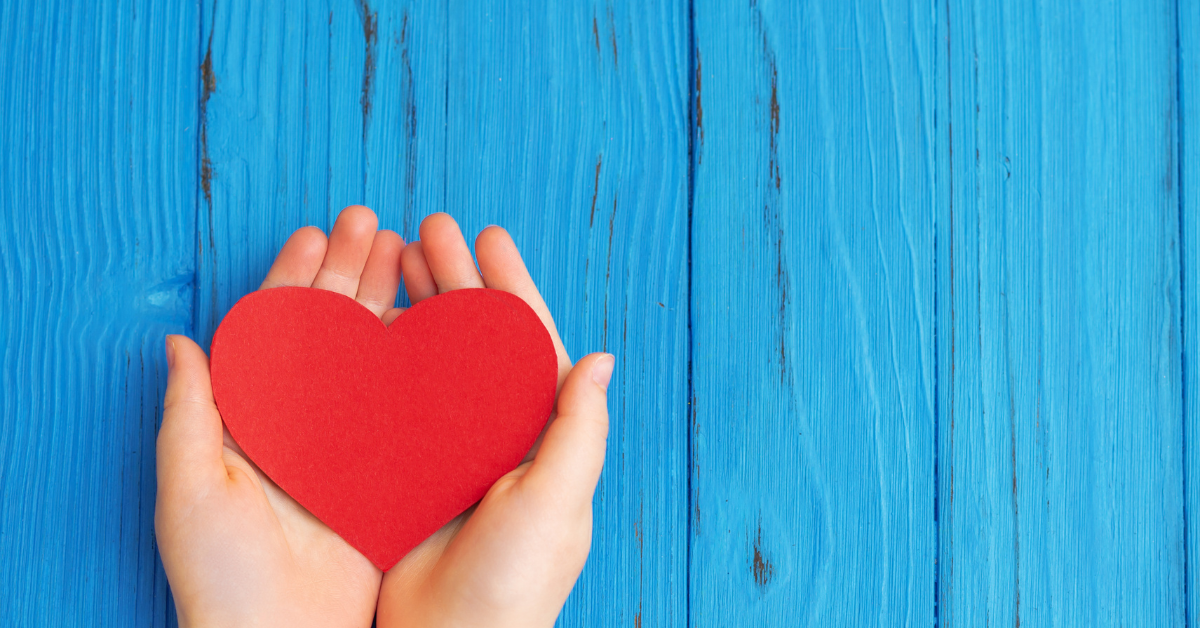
[
  {"x": 170, "y": 353},
  {"x": 602, "y": 370}
]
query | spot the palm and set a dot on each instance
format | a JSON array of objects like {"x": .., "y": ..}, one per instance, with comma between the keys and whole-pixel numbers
[{"x": 264, "y": 546}]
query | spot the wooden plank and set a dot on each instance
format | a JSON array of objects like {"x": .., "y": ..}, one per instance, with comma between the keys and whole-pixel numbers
[
  {"x": 1060, "y": 497},
  {"x": 1188, "y": 129},
  {"x": 813, "y": 480},
  {"x": 309, "y": 107},
  {"x": 97, "y": 208},
  {"x": 567, "y": 125}
]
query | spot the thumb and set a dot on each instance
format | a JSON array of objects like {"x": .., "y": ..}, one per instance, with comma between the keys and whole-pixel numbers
[
  {"x": 189, "y": 441},
  {"x": 572, "y": 452}
]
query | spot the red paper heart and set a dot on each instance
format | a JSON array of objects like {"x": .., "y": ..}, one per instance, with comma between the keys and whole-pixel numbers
[{"x": 383, "y": 433}]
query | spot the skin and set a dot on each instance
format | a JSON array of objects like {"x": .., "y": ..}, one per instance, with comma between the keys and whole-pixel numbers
[{"x": 238, "y": 551}]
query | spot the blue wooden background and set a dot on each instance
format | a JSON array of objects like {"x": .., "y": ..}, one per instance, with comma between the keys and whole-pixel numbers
[{"x": 903, "y": 293}]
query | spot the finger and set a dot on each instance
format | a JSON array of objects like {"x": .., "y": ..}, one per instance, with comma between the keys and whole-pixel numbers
[
  {"x": 503, "y": 269},
  {"x": 298, "y": 261},
  {"x": 349, "y": 245},
  {"x": 446, "y": 252},
  {"x": 391, "y": 315},
  {"x": 418, "y": 281},
  {"x": 189, "y": 441},
  {"x": 572, "y": 452},
  {"x": 381, "y": 276}
]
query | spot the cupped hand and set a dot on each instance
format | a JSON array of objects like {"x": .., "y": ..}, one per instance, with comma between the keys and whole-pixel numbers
[
  {"x": 513, "y": 558},
  {"x": 237, "y": 550}
]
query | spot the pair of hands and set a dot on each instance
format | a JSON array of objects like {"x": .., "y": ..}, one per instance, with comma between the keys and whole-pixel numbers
[{"x": 238, "y": 551}]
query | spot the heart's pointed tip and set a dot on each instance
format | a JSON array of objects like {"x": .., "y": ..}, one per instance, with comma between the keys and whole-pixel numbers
[{"x": 383, "y": 561}]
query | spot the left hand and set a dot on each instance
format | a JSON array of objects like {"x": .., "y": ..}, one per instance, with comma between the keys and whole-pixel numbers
[{"x": 237, "y": 550}]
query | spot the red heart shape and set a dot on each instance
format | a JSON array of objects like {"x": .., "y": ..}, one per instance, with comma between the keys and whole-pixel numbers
[{"x": 383, "y": 433}]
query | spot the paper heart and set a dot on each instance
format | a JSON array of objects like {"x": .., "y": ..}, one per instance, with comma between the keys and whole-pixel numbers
[{"x": 383, "y": 433}]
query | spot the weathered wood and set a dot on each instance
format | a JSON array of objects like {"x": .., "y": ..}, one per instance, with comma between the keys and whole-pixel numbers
[
  {"x": 567, "y": 123},
  {"x": 1060, "y": 496},
  {"x": 306, "y": 108},
  {"x": 941, "y": 335},
  {"x": 97, "y": 208},
  {"x": 813, "y": 473}
]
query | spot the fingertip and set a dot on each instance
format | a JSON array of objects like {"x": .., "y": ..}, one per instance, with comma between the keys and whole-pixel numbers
[
  {"x": 358, "y": 218},
  {"x": 437, "y": 224},
  {"x": 447, "y": 255},
  {"x": 418, "y": 280},
  {"x": 380, "y": 278},
  {"x": 391, "y": 315},
  {"x": 602, "y": 369},
  {"x": 309, "y": 241},
  {"x": 497, "y": 252},
  {"x": 350, "y": 244},
  {"x": 182, "y": 344},
  {"x": 590, "y": 374},
  {"x": 305, "y": 248},
  {"x": 493, "y": 235},
  {"x": 502, "y": 268},
  {"x": 387, "y": 247},
  {"x": 584, "y": 393},
  {"x": 389, "y": 239},
  {"x": 299, "y": 259},
  {"x": 188, "y": 366},
  {"x": 170, "y": 351}
]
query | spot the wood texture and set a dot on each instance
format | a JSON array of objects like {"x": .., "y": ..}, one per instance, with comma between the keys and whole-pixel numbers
[
  {"x": 1060, "y": 486},
  {"x": 97, "y": 193},
  {"x": 902, "y": 293},
  {"x": 1188, "y": 77},
  {"x": 566, "y": 125},
  {"x": 813, "y": 469},
  {"x": 306, "y": 108}
]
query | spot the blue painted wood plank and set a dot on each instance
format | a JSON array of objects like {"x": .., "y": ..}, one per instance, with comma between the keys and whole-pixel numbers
[
  {"x": 568, "y": 124},
  {"x": 1060, "y": 485},
  {"x": 813, "y": 473},
  {"x": 1188, "y": 77},
  {"x": 309, "y": 107},
  {"x": 97, "y": 209},
  {"x": 565, "y": 124}
]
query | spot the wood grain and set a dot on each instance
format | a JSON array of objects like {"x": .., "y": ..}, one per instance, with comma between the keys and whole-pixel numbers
[
  {"x": 306, "y": 108},
  {"x": 1188, "y": 136},
  {"x": 813, "y": 471},
  {"x": 566, "y": 125},
  {"x": 902, "y": 294},
  {"x": 1060, "y": 487},
  {"x": 97, "y": 210}
]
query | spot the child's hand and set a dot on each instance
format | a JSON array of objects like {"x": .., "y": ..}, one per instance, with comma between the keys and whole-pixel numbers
[
  {"x": 514, "y": 559},
  {"x": 237, "y": 550}
]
